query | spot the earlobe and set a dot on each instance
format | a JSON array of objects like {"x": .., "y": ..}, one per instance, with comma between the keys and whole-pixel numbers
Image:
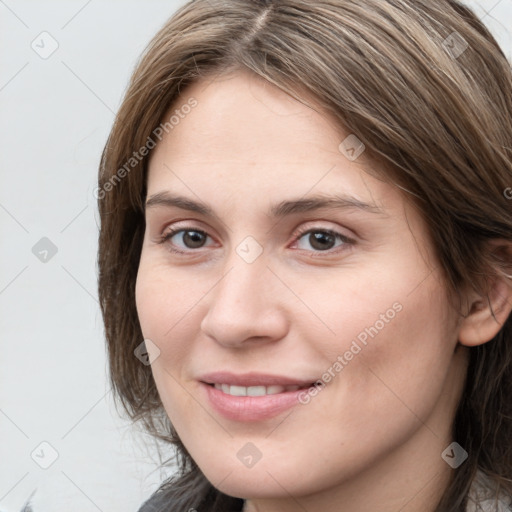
[{"x": 488, "y": 314}]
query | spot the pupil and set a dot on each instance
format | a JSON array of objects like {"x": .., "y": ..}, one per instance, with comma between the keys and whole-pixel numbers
[
  {"x": 321, "y": 240},
  {"x": 192, "y": 241}
]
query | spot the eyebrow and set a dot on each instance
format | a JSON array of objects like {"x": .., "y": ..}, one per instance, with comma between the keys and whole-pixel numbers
[{"x": 279, "y": 210}]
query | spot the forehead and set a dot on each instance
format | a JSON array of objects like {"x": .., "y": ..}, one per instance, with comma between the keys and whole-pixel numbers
[
  {"x": 241, "y": 111},
  {"x": 244, "y": 135}
]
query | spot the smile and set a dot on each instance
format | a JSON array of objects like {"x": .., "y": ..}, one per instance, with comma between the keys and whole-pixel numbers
[
  {"x": 254, "y": 390},
  {"x": 251, "y": 397}
]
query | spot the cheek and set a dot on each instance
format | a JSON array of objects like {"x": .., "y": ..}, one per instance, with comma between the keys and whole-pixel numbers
[
  {"x": 169, "y": 308},
  {"x": 164, "y": 310},
  {"x": 151, "y": 302},
  {"x": 391, "y": 329},
  {"x": 167, "y": 305},
  {"x": 392, "y": 347}
]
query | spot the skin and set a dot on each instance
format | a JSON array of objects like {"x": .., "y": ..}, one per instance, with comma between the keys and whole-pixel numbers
[{"x": 372, "y": 438}]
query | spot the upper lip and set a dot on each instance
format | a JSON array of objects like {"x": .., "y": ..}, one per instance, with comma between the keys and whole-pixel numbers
[{"x": 253, "y": 379}]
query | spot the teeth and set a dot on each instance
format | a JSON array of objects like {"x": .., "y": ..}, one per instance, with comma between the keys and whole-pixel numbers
[
  {"x": 273, "y": 390},
  {"x": 238, "y": 391},
  {"x": 254, "y": 390}
]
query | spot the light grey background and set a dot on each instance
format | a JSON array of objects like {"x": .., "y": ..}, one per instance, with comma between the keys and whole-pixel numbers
[{"x": 56, "y": 113}]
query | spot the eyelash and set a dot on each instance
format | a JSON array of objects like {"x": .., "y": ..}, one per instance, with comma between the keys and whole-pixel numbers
[{"x": 304, "y": 231}]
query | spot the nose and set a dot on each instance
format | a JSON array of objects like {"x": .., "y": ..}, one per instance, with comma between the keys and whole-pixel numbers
[{"x": 245, "y": 307}]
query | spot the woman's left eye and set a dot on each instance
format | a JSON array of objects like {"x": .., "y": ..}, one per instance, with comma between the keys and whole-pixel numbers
[
  {"x": 319, "y": 240},
  {"x": 322, "y": 240}
]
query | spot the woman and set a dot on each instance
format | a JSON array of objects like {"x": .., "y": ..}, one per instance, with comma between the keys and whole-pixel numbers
[{"x": 305, "y": 256}]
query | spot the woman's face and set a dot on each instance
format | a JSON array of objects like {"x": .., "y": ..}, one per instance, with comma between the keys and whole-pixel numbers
[{"x": 294, "y": 266}]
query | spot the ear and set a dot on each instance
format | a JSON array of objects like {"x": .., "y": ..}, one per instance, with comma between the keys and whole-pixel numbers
[{"x": 487, "y": 314}]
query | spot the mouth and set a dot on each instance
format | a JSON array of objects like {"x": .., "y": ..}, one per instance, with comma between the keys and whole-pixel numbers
[
  {"x": 233, "y": 390},
  {"x": 252, "y": 397}
]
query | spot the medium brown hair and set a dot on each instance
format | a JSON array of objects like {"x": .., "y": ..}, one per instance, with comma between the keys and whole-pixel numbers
[{"x": 439, "y": 121}]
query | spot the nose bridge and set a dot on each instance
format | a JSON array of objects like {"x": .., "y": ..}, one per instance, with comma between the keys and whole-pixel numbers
[
  {"x": 243, "y": 288},
  {"x": 245, "y": 269},
  {"x": 243, "y": 303}
]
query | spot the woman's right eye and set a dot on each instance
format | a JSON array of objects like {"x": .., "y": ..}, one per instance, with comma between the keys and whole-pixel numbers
[{"x": 190, "y": 238}]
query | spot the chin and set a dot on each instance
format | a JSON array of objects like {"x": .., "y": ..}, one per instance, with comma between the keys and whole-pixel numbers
[{"x": 253, "y": 484}]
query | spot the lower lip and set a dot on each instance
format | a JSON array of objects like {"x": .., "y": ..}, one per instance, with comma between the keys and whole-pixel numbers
[{"x": 251, "y": 408}]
